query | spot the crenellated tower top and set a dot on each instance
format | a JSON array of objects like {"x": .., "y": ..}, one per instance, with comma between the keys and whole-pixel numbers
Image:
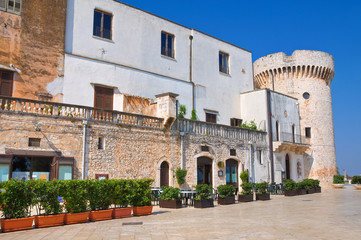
[{"x": 301, "y": 64}]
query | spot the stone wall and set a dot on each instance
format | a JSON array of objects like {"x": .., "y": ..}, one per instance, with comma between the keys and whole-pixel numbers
[{"x": 34, "y": 43}]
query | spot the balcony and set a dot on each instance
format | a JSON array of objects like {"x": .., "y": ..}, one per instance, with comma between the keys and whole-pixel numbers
[
  {"x": 75, "y": 112},
  {"x": 290, "y": 142},
  {"x": 218, "y": 130}
]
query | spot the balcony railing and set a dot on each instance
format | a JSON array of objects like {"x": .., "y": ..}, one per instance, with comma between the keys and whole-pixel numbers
[
  {"x": 27, "y": 106},
  {"x": 291, "y": 138},
  {"x": 211, "y": 129}
]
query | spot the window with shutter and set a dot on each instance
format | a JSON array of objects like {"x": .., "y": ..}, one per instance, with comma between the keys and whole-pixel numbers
[
  {"x": 211, "y": 117},
  {"x": 103, "y": 98},
  {"x": 6, "y": 83}
]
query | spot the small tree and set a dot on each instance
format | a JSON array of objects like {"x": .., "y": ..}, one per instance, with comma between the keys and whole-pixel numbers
[
  {"x": 180, "y": 175},
  {"x": 182, "y": 111},
  {"x": 194, "y": 115},
  {"x": 244, "y": 176}
]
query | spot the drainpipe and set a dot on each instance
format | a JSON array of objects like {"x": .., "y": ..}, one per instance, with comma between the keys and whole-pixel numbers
[
  {"x": 191, "y": 69},
  {"x": 270, "y": 136},
  {"x": 85, "y": 124},
  {"x": 182, "y": 148}
]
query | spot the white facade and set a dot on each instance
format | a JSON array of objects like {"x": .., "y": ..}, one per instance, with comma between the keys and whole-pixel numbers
[{"x": 132, "y": 63}]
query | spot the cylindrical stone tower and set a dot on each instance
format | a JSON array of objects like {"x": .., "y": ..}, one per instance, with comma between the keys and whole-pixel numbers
[{"x": 306, "y": 75}]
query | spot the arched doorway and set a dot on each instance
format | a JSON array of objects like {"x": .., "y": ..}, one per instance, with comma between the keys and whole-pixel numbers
[
  {"x": 288, "y": 175},
  {"x": 204, "y": 170},
  {"x": 232, "y": 173},
  {"x": 164, "y": 174}
]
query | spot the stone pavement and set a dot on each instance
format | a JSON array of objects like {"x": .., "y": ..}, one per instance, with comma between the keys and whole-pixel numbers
[{"x": 332, "y": 214}]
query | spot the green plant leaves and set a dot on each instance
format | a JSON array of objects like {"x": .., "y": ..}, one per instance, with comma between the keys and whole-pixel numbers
[{"x": 225, "y": 191}]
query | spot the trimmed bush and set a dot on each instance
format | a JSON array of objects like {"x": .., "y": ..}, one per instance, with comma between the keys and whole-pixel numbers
[
  {"x": 247, "y": 188},
  {"x": 99, "y": 193},
  {"x": 225, "y": 191},
  {"x": 46, "y": 196},
  {"x": 75, "y": 195},
  {"x": 203, "y": 191},
  {"x": 142, "y": 193},
  {"x": 261, "y": 188},
  {"x": 121, "y": 193},
  {"x": 338, "y": 179},
  {"x": 290, "y": 185},
  {"x": 244, "y": 176},
  {"x": 356, "y": 180},
  {"x": 16, "y": 198},
  {"x": 170, "y": 193}
]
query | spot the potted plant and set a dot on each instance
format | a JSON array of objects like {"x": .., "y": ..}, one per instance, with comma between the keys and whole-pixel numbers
[
  {"x": 309, "y": 186},
  {"x": 356, "y": 181},
  {"x": 247, "y": 188},
  {"x": 290, "y": 187},
  {"x": 225, "y": 194},
  {"x": 338, "y": 181},
  {"x": 301, "y": 188},
  {"x": 262, "y": 191},
  {"x": 180, "y": 175},
  {"x": 121, "y": 198},
  {"x": 99, "y": 194},
  {"x": 141, "y": 199},
  {"x": 203, "y": 196},
  {"x": 74, "y": 195},
  {"x": 170, "y": 198},
  {"x": 16, "y": 200},
  {"x": 46, "y": 195},
  {"x": 316, "y": 184}
]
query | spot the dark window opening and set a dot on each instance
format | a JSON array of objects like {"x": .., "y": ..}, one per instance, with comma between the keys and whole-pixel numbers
[
  {"x": 293, "y": 133},
  {"x": 25, "y": 168},
  {"x": 101, "y": 143},
  {"x": 306, "y": 95},
  {"x": 259, "y": 156},
  {"x": 211, "y": 117},
  {"x": 6, "y": 83},
  {"x": 204, "y": 171},
  {"x": 204, "y": 148},
  {"x": 277, "y": 132},
  {"x": 34, "y": 142},
  {"x": 308, "y": 132},
  {"x": 167, "y": 43},
  {"x": 235, "y": 122},
  {"x": 223, "y": 62},
  {"x": 102, "y": 26},
  {"x": 232, "y": 152}
]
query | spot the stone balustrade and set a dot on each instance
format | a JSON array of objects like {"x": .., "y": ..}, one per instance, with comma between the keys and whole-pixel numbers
[{"x": 292, "y": 138}]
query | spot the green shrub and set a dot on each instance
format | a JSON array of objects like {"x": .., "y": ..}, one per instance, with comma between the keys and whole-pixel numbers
[
  {"x": 250, "y": 125},
  {"x": 46, "y": 196},
  {"x": 261, "y": 188},
  {"x": 247, "y": 188},
  {"x": 142, "y": 193},
  {"x": 170, "y": 193},
  {"x": 301, "y": 185},
  {"x": 182, "y": 111},
  {"x": 203, "y": 191},
  {"x": 121, "y": 193},
  {"x": 99, "y": 194},
  {"x": 316, "y": 183},
  {"x": 244, "y": 176},
  {"x": 356, "y": 180},
  {"x": 75, "y": 195},
  {"x": 338, "y": 179},
  {"x": 180, "y": 175},
  {"x": 225, "y": 191},
  {"x": 308, "y": 183},
  {"x": 17, "y": 198},
  {"x": 194, "y": 115},
  {"x": 290, "y": 184}
]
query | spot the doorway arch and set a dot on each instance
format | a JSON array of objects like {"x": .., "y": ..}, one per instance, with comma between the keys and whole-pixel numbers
[
  {"x": 204, "y": 170},
  {"x": 164, "y": 174}
]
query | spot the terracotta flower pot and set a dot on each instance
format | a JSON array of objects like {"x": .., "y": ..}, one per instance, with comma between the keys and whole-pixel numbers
[
  {"x": 49, "y": 221},
  {"x": 226, "y": 200},
  {"x": 16, "y": 224},
  {"x": 338, "y": 185},
  {"x": 141, "y": 211},
  {"x": 72, "y": 218},
  {"x": 357, "y": 186},
  {"x": 245, "y": 198},
  {"x": 176, "y": 203},
  {"x": 122, "y": 212},
  {"x": 100, "y": 215}
]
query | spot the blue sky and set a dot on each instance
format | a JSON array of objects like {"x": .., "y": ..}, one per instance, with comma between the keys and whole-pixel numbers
[{"x": 266, "y": 27}]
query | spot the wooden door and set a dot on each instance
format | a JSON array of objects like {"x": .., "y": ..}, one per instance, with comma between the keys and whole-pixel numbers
[
  {"x": 164, "y": 174},
  {"x": 6, "y": 83},
  {"x": 204, "y": 171}
]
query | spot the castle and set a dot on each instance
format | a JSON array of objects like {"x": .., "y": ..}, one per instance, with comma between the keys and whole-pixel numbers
[{"x": 93, "y": 89}]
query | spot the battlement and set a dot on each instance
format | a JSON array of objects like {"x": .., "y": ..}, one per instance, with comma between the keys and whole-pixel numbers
[{"x": 301, "y": 64}]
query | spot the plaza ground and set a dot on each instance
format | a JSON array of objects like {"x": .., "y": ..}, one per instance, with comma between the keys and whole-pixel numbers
[{"x": 332, "y": 214}]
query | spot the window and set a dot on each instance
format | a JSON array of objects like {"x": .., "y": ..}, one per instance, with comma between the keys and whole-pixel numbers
[
  {"x": 12, "y": 6},
  {"x": 34, "y": 142},
  {"x": 232, "y": 152},
  {"x": 223, "y": 62},
  {"x": 103, "y": 98},
  {"x": 101, "y": 143},
  {"x": 277, "y": 132},
  {"x": 259, "y": 157},
  {"x": 6, "y": 83},
  {"x": 102, "y": 24},
  {"x": 167, "y": 44},
  {"x": 204, "y": 148},
  {"x": 211, "y": 117},
  {"x": 65, "y": 172},
  {"x": 235, "y": 122},
  {"x": 308, "y": 132},
  {"x": 306, "y": 95},
  {"x": 25, "y": 168},
  {"x": 4, "y": 172}
]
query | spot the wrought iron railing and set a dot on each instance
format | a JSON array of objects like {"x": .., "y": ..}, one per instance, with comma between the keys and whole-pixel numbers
[
  {"x": 291, "y": 138},
  {"x": 211, "y": 129},
  {"x": 27, "y": 106}
]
